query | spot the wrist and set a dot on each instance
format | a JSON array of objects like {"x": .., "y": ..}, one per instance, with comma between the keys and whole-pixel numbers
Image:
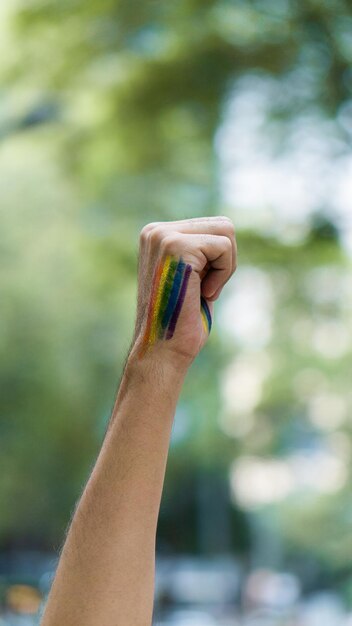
[
  {"x": 155, "y": 378},
  {"x": 159, "y": 361}
]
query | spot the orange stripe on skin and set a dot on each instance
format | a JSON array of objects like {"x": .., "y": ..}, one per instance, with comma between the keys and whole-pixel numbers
[{"x": 156, "y": 281}]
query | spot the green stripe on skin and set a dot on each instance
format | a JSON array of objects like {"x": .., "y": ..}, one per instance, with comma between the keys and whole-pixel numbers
[{"x": 166, "y": 294}]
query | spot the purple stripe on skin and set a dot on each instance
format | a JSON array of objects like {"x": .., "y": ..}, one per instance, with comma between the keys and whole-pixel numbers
[{"x": 179, "y": 303}]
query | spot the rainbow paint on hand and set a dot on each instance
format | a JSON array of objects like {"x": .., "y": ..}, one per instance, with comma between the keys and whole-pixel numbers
[
  {"x": 168, "y": 293},
  {"x": 205, "y": 313}
]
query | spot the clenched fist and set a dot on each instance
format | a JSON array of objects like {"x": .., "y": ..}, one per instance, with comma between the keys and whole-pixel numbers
[
  {"x": 183, "y": 267},
  {"x": 108, "y": 557}
]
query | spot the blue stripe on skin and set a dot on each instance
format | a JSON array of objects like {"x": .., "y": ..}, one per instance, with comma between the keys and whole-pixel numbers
[
  {"x": 179, "y": 303},
  {"x": 176, "y": 286}
]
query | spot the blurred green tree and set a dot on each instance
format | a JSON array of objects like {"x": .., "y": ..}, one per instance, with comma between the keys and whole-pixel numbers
[{"x": 108, "y": 117}]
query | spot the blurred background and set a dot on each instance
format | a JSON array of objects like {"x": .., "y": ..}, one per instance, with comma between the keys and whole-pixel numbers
[{"x": 114, "y": 113}]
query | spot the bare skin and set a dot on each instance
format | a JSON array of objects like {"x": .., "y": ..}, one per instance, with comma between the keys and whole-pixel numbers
[{"x": 105, "y": 575}]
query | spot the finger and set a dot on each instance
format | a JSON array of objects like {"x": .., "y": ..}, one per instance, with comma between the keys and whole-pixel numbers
[
  {"x": 202, "y": 251},
  {"x": 216, "y": 225},
  {"x": 204, "y": 271}
]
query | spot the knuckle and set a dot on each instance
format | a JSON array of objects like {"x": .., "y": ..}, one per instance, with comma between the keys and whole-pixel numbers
[
  {"x": 146, "y": 230},
  {"x": 170, "y": 243},
  {"x": 143, "y": 235},
  {"x": 156, "y": 234},
  {"x": 227, "y": 244},
  {"x": 228, "y": 225},
  {"x": 205, "y": 238}
]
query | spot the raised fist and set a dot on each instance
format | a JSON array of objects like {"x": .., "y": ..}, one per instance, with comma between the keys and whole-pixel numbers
[{"x": 183, "y": 267}]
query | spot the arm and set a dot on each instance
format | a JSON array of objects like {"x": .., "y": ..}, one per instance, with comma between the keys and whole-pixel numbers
[{"x": 106, "y": 571}]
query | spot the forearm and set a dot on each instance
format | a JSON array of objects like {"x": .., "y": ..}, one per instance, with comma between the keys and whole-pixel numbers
[
  {"x": 106, "y": 570},
  {"x": 108, "y": 558}
]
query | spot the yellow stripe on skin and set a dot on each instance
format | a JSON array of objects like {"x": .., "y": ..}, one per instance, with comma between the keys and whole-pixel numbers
[
  {"x": 154, "y": 326},
  {"x": 205, "y": 321}
]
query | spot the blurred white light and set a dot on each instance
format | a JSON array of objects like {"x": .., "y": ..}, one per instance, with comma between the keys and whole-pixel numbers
[
  {"x": 325, "y": 285},
  {"x": 274, "y": 589},
  {"x": 195, "y": 581},
  {"x": 319, "y": 470},
  {"x": 242, "y": 383},
  {"x": 301, "y": 331},
  {"x": 331, "y": 339},
  {"x": 256, "y": 482},
  {"x": 273, "y": 190},
  {"x": 247, "y": 313},
  {"x": 322, "y": 609},
  {"x": 234, "y": 425},
  {"x": 327, "y": 411},
  {"x": 342, "y": 192},
  {"x": 340, "y": 445}
]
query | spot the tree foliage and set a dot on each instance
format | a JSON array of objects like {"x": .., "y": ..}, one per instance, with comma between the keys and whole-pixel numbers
[{"x": 108, "y": 119}]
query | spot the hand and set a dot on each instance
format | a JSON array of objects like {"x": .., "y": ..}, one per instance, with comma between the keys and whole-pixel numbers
[{"x": 183, "y": 267}]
